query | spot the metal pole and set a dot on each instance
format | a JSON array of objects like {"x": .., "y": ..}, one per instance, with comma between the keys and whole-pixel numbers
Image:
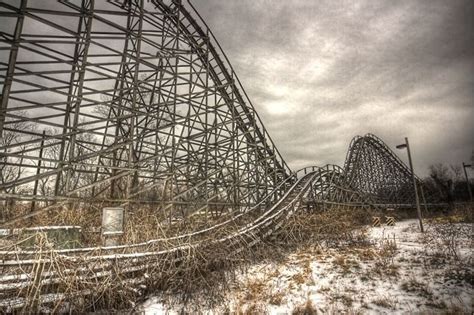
[
  {"x": 418, "y": 210},
  {"x": 467, "y": 180}
]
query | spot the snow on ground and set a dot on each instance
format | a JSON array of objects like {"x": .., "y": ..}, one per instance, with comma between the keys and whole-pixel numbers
[{"x": 399, "y": 271}]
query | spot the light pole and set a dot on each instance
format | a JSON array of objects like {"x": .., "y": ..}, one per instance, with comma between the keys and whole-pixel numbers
[
  {"x": 418, "y": 210},
  {"x": 467, "y": 179}
]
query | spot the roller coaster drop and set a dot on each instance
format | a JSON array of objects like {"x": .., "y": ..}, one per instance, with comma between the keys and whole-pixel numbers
[{"x": 134, "y": 104}]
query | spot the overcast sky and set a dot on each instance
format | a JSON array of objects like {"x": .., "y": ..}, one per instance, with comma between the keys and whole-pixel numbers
[{"x": 321, "y": 72}]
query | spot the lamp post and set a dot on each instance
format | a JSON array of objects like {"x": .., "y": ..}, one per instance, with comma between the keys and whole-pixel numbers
[
  {"x": 418, "y": 210},
  {"x": 467, "y": 179}
]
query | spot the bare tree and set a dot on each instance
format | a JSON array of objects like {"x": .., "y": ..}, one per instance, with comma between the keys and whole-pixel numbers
[
  {"x": 51, "y": 156},
  {"x": 456, "y": 171},
  {"x": 12, "y": 140},
  {"x": 449, "y": 182}
]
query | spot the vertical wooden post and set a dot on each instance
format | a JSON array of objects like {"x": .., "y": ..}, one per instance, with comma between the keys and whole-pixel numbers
[{"x": 38, "y": 171}]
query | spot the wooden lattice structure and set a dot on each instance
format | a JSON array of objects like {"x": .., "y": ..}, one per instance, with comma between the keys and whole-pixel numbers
[{"x": 133, "y": 104}]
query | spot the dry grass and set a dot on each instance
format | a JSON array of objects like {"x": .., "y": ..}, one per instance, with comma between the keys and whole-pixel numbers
[
  {"x": 384, "y": 263},
  {"x": 203, "y": 272},
  {"x": 276, "y": 297},
  {"x": 443, "y": 240},
  {"x": 307, "y": 308},
  {"x": 366, "y": 254},
  {"x": 416, "y": 287},
  {"x": 335, "y": 228},
  {"x": 385, "y": 302},
  {"x": 255, "y": 289},
  {"x": 299, "y": 278},
  {"x": 345, "y": 299}
]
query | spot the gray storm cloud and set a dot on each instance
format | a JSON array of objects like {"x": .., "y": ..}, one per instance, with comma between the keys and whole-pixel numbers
[{"x": 321, "y": 72}]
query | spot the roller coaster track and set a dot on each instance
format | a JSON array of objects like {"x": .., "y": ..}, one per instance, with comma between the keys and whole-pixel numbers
[
  {"x": 134, "y": 104},
  {"x": 323, "y": 184}
]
